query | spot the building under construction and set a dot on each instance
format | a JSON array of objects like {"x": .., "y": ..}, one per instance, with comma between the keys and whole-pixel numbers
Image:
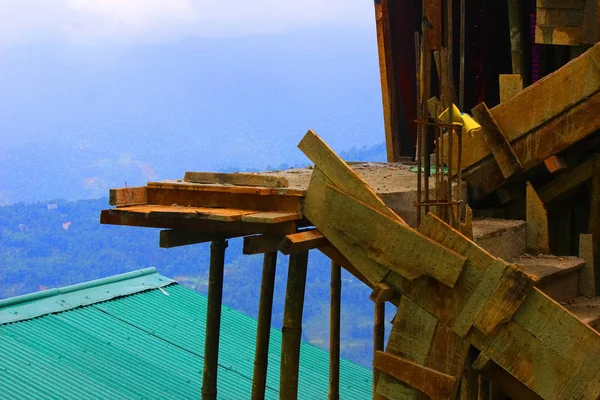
[{"x": 483, "y": 228}]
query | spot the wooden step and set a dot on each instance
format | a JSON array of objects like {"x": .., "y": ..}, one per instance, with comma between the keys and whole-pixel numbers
[
  {"x": 504, "y": 238},
  {"x": 587, "y": 309},
  {"x": 558, "y": 276}
]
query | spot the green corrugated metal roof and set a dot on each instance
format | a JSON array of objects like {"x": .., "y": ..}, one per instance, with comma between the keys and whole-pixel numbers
[{"x": 143, "y": 345}]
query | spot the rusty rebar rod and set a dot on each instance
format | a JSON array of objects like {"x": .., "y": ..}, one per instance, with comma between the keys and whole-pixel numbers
[
  {"x": 265, "y": 311},
  {"x": 213, "y": 319},
  {"x": 378, "y": 337},
  {"x": 334, "y": 331},
  {"x": 291, "y": 332}
]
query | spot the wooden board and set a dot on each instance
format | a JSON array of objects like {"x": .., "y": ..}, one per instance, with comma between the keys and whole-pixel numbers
[
  {"x": 590, "y": 30},
  {"x": 393, "y": 245},
  {"x": 568, "y": 4},
  {"x": 214, "y": 214},
  {"x": 301, "y": 241},
  {"x": 502, "y": 379},
  {"x": 238, "y": 179},
  {"x": 176, "y": 238},
  {"x": 594, "y": 219},
  {"x": 197, "y": 187},
  {"x": 533, "y": 107},
  {"x": 494, "y": 137},
  {"x": 128, "y": 196},
  {"x": 587, "y": 282},
  {"x": 260, "y": 244},
  {"x": 560, "y": 17},
  {"x": 341, "y": 175},
  {"x": 555, "y": 164},
  {"x": 510, "y": 86},
  {"x": 272, "y": 217},
  {"x": 537, "y": 223}
]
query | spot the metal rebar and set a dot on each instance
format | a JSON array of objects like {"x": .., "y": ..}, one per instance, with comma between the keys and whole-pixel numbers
[
  {"x": 461, "y": 72},
  {"x": 427, "y": 167},
  {"x": 459, "y": 133},
  {"x": 213, "y": 318},
  {"x": 291, "y": 332},
  {"x": 334, "y": 331},
  {"x": 265, "y": 311}
]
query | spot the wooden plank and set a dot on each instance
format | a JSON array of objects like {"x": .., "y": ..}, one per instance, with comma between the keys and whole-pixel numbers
[
  {"x": 192, "y": 198},
  {"x": 175, "y": 221},
  {"x": 494, "y": 137},
  {"x": 569, "y": 4},
  {"x": 176, "y": 238},
  {"x": 449, "y": 352},
  {"x": 469, "y": 381},
  {"x": 411, "y": 338},
  {"x": 594, "y": 221},
  {"x": 587, "y": 282},
  {"x": 382, "y": 293},
  {"x": 537, "y": 223},
  {"x": 547, "y": 140},
  {"x": 506, "y": 382},
  {"x": 319, "y": 215},
  {"x": 301, "y": 241},
  {"x": 341, "y": 175},
  {"x": 513, "y": 288},
  {"x": 558, "y": 35},
  {"x": 566, "y": 181},
  {"x": 433, "y": 31},
  {"x": 510, "y": 86},
  {"x": 128, "y": 196},
  {"x": 259, "y": 191},
  {"x": 555, "y": 164},
  {"x": 433, "y": 383},
  {"x": 590, "y": 31},
  {"x": 261, "y": 244},
  {"x": 271, "y": 217},
  {"x": 477, "y": 301},
  {"x": 560, "y": 17},
  {"x": 396, "y": 246},
  {"x": 214, "y": 214},
  {"x": 238, "y": 179},
  {"x": 533, "y": 107}
]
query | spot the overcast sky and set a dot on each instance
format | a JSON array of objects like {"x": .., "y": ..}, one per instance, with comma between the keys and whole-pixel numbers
[{"x": 127, "y": 22}]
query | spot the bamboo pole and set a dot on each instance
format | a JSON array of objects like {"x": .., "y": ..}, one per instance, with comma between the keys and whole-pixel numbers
[
  {"x": 378, "y": 338},
  {"x": 292, "y": 326},
  {"x": 213, "y": 319},
  {"x": 334, "y": 332},
  {"x": 265, "y": 311}
]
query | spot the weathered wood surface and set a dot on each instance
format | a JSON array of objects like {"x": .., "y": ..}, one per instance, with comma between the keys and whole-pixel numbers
[
  {"x": 433, "y": 383},
  {"x": 510, "y": 86},
  {"x": 261, "y": 244},
  {"x": 590, "y": 29},
  {"x": 567, "y": 4},
  {"x": 560, "y": 17},
  {"x": 503, "y": 380},
  {"x": 238, "y": 179},
  {"x": 176, "y": 238},
  {"x": 558, "y": 35},
  {"x": 396, "y": 246},
  {"x": 566, "y": 181},
  {"x": 533, "y": 107},
  {"x": 310, "y": 239},
  {"x": 494, "y": 137},
  {"x": 128, "y": 196},
  {"x": 339, "y": 258},
  {"x": 555, "y": 164},
  {"x": 537, "y": 223},
  {"x": 220, "y": 188},
  {"x": 587, "y": 281},
  {"x": 341, "y": 175},
  {"x": 271, "y": 217},
  {"x": 558, "y": 134},
  {"x": 594, "y": 220},
  {"x": 382, "y": 293}
]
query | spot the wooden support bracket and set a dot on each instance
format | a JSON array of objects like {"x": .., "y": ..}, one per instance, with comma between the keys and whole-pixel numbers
[
  {"x": 174, "y": 238},
  {"x": 302, "y": 241},
  {"x": 260, "y": 244}
]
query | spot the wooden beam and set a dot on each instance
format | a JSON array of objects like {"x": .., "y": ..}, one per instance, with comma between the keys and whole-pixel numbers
[
  {"x": 261, "y": 244},
  {"x": 396, "y": 246},
  {"x": 515, "y": 16},
  {"x": 291, "y": 332},
  {"x": 265, "y": 311},
  {"x": 555, "y": 164},
  {"x": 213, "y": 318},
  {"x": 594, "y": 221},
  {"x": 496, "y": 140},
  {"x": 128, "y": 196},
  {"x": 537, "y": 223},
  {"x": 238, "y": 179},
  {"x": 334, "y": 331},
  {"x": 566, "y": 181},
  {"x": 587, "y": 281},
  {"x": 271, "y": 217},
  {"x": 382, "y": 293},
  {"x": 510, "y": 84},
  {"x": 302, "y": 241},
  {"x": 341, "y": 175},
  {"x": 434, "y": 384},
  {"x": 590, "y": 30},
  {"x": 175, "y": 238}
]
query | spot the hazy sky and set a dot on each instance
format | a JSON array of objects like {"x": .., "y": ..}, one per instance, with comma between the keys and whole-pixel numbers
[{"x": 91, "y": 90}]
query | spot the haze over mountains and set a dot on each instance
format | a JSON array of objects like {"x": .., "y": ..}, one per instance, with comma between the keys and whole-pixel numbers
[{"x": 77, "y": 119}]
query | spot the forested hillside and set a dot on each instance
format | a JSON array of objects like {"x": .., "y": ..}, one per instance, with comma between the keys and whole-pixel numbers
[{"x": 57, "y": 243}]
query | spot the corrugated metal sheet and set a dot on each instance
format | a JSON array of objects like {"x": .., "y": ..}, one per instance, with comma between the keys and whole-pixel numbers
[{"x": 149, "y": 345}]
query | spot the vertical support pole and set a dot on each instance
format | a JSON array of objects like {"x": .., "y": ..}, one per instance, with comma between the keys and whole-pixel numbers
[
  {"x": 334, "y": 331},
  {"x": 378, "y": 338},
  {"x": 516, "y": 46},
  {"x": 292, "y": 326},
  {"x": 594, "y": 221},
  {"x": 213, "y": 318},
  {"x": 265, "y": 310}
]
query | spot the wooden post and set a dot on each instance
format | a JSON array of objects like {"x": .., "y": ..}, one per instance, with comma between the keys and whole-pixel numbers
[
  {"x": 334, "y": 332},
  {"x": 213, "y": 318},
  {"x": 594, "y": 221},
  {"x": 517, "y": 54},
  {"x": 378, "y": 338},
  {"x": 265, "y": 310},
  {"x": 292, "y": 326}
]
